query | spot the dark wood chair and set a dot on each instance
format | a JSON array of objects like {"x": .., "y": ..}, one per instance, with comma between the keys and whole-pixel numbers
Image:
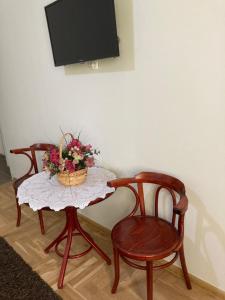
[
  {"x": 29, "y": 152},
  {"x": 147, "y": 238}
]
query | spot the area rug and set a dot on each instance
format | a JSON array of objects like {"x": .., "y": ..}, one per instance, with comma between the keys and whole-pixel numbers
[{"x": 18, "y": 281}]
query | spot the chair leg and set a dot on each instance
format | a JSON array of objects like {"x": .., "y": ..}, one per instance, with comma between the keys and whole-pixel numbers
[
  {"x": 149, "y": 268},
  {"x": 184, "y": 268},
  {"x": 41, "y": 221},
  {"x": 65, "y": 258},
  {"x": 18, "y": 213},
  {"x": 117, "y": 270}
]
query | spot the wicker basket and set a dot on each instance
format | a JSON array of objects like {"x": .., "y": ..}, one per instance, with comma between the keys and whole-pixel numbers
[{"x": 66, "y": 178}]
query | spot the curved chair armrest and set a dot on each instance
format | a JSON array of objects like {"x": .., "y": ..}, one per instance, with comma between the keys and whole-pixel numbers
[
  {"x": 120, "y": 182},
  {"x": 24, "y": 151},
  {"x": 181, "y": 207},
  {"x": 41, "y": 146},
  {"x": 19, "y": 151},
  {"x": 125, "y": 182}
]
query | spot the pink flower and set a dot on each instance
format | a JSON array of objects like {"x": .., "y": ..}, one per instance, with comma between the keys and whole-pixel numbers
[
  {"x": 88, "y": 148},
  {"x": 69, "y": 166},
  {"x": 54, "y": 156},
  {"x": 89, "y": 162},
  {"x": 74, "y": 143}
]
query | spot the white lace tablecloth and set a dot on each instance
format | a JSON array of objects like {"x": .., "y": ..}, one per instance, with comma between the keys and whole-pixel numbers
[{"x": 40, "y": 191}]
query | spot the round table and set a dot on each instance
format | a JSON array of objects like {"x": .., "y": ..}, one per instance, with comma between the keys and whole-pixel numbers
[{"x": 41, "y": 192}]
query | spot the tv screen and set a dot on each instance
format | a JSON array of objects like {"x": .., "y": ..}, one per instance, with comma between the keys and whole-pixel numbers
[{"x": 82, "y": 30}]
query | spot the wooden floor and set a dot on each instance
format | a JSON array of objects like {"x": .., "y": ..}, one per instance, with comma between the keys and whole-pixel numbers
[{"x": 87, "y": 278}]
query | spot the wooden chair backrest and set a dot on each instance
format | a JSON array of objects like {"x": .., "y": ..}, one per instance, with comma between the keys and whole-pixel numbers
[
  {"x": 167, "y": 182},
  {"x": 30, "y": 152},
  {"x": 38, "y": 148}
]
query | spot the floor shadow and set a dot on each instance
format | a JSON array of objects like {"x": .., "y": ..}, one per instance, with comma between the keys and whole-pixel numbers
[{"x": 5, "y": 175}]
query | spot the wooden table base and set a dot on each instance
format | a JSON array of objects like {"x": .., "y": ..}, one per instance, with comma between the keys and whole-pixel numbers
[{"x": 73, "y": 228}]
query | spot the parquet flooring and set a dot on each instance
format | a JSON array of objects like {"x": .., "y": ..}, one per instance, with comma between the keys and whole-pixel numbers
[{"x": 89, "y": 277}]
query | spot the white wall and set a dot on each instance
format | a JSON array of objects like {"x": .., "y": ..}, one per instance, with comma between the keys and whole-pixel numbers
[{"x": 168, "y": 114}]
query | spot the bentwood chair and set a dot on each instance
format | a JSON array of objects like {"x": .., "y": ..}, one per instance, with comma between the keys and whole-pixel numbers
[
  {"x": 31, "y": 153},
  {"x": 148, "y": 238}
]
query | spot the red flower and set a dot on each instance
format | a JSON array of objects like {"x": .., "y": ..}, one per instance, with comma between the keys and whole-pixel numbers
[
  {"x": 88, "y": 148},
  {"x": 74, "y": 143},
  {"x": 54, "y": 156},
  {"x": 69, "y": 166}
]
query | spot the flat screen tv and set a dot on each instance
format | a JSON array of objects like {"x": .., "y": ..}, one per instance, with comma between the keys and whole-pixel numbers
[{"x": 82, "y": 30}]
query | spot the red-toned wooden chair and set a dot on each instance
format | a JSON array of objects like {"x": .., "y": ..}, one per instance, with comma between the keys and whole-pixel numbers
[
  {"x": 150, "y": 238},
  {"x": 29, "y": 152}
]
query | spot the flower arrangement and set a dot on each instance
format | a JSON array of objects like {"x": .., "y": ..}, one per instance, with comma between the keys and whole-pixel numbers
[{"x": 73, "y": 157}]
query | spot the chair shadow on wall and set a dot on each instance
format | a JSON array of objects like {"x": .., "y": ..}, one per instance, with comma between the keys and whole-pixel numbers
[{"x": 205, "y": 225}]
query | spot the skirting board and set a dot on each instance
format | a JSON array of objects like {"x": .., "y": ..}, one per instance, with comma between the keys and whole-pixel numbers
[
  {"x": 173, "y": 269},
  {"x": 178, "y": 272}
]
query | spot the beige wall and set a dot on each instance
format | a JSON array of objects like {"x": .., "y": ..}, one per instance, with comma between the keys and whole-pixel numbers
[{"x": 166, "y": 114}]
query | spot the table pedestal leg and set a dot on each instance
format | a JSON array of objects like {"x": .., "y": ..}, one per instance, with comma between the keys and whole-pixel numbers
[
  {"x": 72, "y": 225},
  {"x": 65, "y": 259},
  {"x": 62, "y": 234},
  {"x": 89, "y": 239}
]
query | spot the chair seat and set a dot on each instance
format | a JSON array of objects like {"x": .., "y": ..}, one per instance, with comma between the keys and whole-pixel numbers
[{"x": 145, "y": 237}]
